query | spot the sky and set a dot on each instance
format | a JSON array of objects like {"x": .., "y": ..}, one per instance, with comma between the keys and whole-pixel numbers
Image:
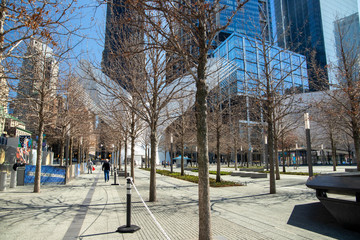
[{"x": 91, "y": 19}]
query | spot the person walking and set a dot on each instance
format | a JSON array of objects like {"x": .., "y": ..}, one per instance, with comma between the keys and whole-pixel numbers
[
  {"x": 106, "y": 169},
  {"x": 90, "y": 166}
]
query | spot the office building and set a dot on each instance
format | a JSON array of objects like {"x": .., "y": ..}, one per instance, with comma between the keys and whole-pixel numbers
[
  {"x": 120, "y": 36},
  {"x": 347, "y": 42},
  {"x": 245, "y": 53},
  {"x": 253, "y": 20},
  {"x": 38, "y": 75},
  {"x": 307, "y": 27},
  {"x": 243, "y": 87}
]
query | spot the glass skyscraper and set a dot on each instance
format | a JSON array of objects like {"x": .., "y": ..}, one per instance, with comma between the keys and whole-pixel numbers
[
  {"x": 246, "y": 54},
  {"x": 307, "y": 27},
  {"x": 253, "y": 20}
]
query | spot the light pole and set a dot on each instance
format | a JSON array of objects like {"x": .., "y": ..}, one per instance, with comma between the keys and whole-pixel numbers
[
  {"x": 241, "y": 156},
  {"x": 171, "y": 154},
  {"x": 266, "y": 153},
  {"x": 308, "y": 143},
  {"x": 196, "y": 157}
]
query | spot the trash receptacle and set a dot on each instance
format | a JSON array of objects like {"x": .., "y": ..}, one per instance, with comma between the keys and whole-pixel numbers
[{"x": 20, "y": 176}]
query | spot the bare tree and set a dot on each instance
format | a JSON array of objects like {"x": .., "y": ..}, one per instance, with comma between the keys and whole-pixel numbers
[
  {"x": 274, "y": 93},
  {"x": 189, "y": 29},
  {"x": 347, "y": 94},
  {"x": 217, "y": 109}
]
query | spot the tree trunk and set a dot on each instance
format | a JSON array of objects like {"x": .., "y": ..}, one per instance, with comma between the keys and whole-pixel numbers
[
  {"x": 70, "y": 150},
  {"x": 37, "y": 180},
  {"x": 283, "y": 155},
  {"x": 356, "y": 137},
  {"x": 79, "y": 154},
  {"x": 202, "y": 141},
  {"x": 119, "y": 155},
  {"x": 62, "y": 146},
  {"x": 153, "y": 144},
  {"x": 182, "y": 155},
  {"x": 333, "y": 151},
  {"x": 125, "y": 159},
  {"x": 132, "y": 136},
  {"x": 235, "y": 152},
  {"x": 133, "y": 158},
  {"x": 218, "y": 163}
]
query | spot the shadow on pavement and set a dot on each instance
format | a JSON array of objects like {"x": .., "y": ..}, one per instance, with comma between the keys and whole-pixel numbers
[
  {"x": 97, "y": 234},
  {"x": 314, "y": 217}
]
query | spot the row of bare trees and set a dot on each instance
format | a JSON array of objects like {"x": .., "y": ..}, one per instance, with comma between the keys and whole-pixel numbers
[{"x": 21, "y": 23}]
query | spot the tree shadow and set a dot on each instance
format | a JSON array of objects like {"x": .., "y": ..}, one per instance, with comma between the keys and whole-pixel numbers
[{"x": 314, "y": 217}]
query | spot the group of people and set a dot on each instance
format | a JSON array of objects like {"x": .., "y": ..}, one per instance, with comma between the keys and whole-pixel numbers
[{"x": 105, "y": 167}]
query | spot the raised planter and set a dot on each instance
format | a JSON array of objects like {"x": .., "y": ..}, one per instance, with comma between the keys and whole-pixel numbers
[{"x": 346, "y": 212}]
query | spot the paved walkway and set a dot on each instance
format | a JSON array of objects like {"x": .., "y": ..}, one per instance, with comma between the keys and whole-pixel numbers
[{"x": 89, "y": 208}]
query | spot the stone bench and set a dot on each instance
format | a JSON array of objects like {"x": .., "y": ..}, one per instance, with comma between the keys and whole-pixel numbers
[
  {"x": 249, "y": 174},
  {"x": 345, "y": 211},
  {"x": 252, "y": 169}
]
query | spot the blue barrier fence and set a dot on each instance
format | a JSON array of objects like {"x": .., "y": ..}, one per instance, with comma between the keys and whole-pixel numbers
[{"x": 49, "y": 175}]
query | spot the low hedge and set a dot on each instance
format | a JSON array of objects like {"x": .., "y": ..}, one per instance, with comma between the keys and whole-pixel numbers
[{"x": 195, "y": 179}]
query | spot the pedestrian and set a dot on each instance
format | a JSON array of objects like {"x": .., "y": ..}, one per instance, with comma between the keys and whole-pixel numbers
[
  {"x": 90, "y": 166},
  {"x": 106, "y": 169},
  {"x": 18, "y": 164}
]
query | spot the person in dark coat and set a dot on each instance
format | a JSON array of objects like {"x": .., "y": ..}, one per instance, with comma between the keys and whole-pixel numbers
[
  {"x": 106, "y": 169},
  {"x": 18, "y": 164}
]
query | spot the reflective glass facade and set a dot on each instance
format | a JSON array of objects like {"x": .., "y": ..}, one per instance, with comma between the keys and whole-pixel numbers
[
  {"x": 305, "y": 26},
  {"x": 250, "y": 20},
  {"x": 288, "y": 68},
  {"x": 253, "y": 20}
]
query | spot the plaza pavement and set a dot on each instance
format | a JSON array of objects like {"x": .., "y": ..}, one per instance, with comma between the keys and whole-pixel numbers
[{"x": 89, "y": 208}]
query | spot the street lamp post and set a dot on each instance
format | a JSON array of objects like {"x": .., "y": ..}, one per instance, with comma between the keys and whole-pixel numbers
[
  {"x": 241, "y": 156},
  {"x": 266, "y": 153},
  {"x": 171, "y": 154},
  {"x": 308, "y": 143},
  {"x": 196, "y": 157}
]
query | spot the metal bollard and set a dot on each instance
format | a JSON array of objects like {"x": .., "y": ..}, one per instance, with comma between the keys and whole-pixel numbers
[
  {"x": 128, "y": 228},
  {"x": 3, "y": 181},
  {"x": 13, "y": 179},
  {"x": 115, "y": 178}
]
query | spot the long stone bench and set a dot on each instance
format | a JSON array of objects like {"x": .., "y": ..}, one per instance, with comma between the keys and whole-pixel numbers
[
  {"x": 249, "y": 174},
  {"x": 345, "y": 211},
  {"x": 252, "y": 169}
]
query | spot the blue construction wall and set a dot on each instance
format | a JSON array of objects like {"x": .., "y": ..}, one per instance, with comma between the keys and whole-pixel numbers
[{"x": 49, "y": 175}]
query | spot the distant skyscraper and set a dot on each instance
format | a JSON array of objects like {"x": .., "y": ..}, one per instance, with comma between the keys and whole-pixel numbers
[
  {"x": 39, "y": 72},
  {"x": 305, "y": 26},
  {"x": 119, "y": 34}
]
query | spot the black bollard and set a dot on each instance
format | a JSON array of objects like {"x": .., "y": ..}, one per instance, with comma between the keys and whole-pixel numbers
[
  {"x": 115, "y": 178},
  {"x": 128, "y": 228}
]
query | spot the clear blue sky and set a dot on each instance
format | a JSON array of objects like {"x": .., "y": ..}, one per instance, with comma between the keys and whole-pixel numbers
[{"x": 91, "y": 19}]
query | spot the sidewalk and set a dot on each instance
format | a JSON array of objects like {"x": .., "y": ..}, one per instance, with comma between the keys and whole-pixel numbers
[{"x": 89, "y": 208}]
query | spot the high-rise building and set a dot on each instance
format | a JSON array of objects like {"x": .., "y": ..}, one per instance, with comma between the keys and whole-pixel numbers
[
  {"x": 39, "y": 66},
  {"x": 307, "y": 27},
  {"x": 347, "y": 37},
  {"x": 119, "y": 37},
  {"x": 38, "y": 75}
]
